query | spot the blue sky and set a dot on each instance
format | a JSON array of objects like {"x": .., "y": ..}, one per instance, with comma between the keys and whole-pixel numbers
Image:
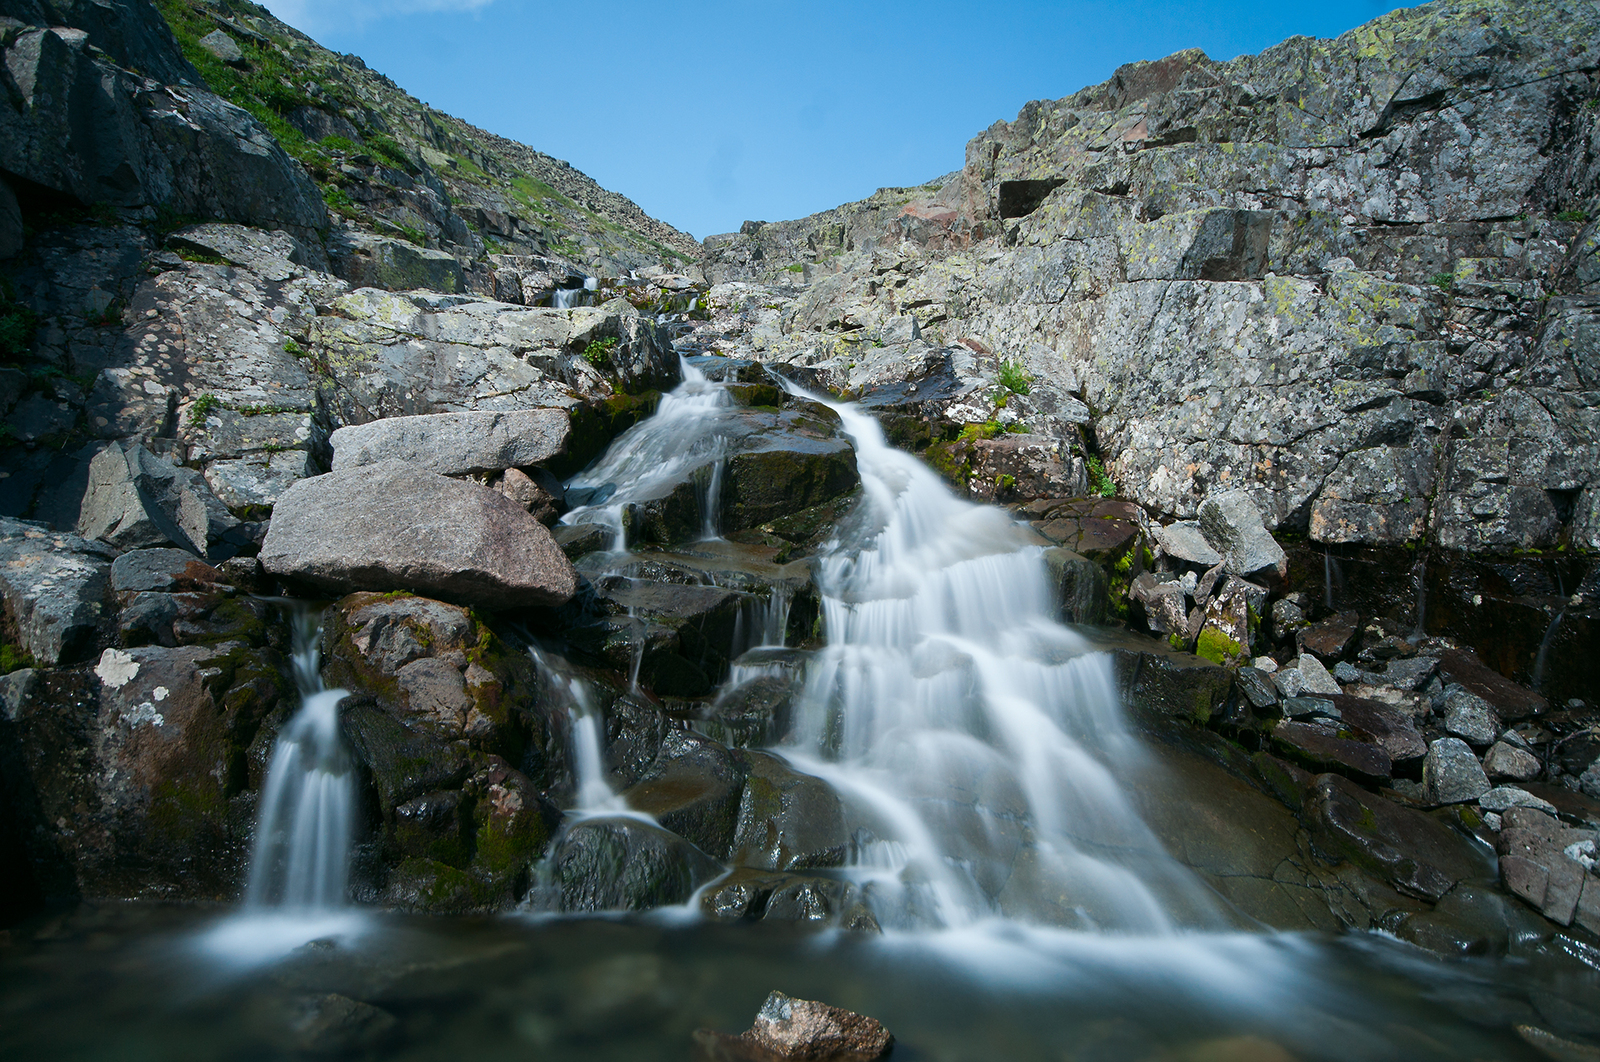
[{"x": 707, "y": 114}]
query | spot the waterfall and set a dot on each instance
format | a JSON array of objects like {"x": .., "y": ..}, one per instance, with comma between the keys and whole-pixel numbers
[
  {"x": 595, "y": 795},
  {"x": 979, "y": 741},
  {"x": 301, "y": 858},
  {"x": 651, "y": 458}
]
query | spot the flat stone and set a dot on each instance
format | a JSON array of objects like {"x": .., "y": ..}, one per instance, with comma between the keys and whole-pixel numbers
[
  {"x": 1299, "y": 707},
  {"x": 1413, "y": 852},
  {"x": 1510, "y": 701},
  {"x": 1391, "y": 729},
  {"x": 160, "y": 569},
  {"x": 1468, "y": 716},
  {"x": 456, "y": 443},
  {"x": 1184, "y": 541},
  {"x": 1232, "y": 524},
  {"x": 1257, "y": 687},
  {"x": 1323, "y": 748},
  {"x": 1451, "y": 773},
  {"x": 1329, "y": 638},
  {"x": 1505, "y": 797},
  {"x": 1409, "y": 674},
  {"x": 1509, "y": 763},
  {"x": 390, "y": 526}
]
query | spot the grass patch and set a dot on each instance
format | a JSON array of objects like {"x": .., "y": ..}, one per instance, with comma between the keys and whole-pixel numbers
[
  {"x": 1444, "y": 281},
  {"x": 1099, "y": 482},
  {"x": 1577, "y": 217},
  {"x": 203, "y": 407},
  {"x": 1015, "y": 378}
]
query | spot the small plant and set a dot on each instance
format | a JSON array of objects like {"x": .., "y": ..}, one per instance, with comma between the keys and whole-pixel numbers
[
  {"x": 295, "y": 350},
  {"x": 1577, "y": 217},
  {"x": 1015, "y": 378},
  {"x": 1099, "y": 482},
  {"x": 416, "y": 236},
  {"x": 103, "y": 213},
  {"x": 108, "y": 315},
  {"x": 798, "y": 267},
  {"x": 189, "y": 254},
  {"x": 598, "y": 352},
  {"x": 203, "y": 407},
  {"x": 339, "y": 200},
  {"x": 17, "y": 325},
  {"x": 386, "y": 148},
  {"x": 1445, "y": 281},
  {"x": 339, "y": 143},
  {"x": 14, "y": 658}
]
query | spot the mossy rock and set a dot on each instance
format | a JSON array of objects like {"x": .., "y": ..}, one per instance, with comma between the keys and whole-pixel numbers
[{"x": 625, "y": 865}]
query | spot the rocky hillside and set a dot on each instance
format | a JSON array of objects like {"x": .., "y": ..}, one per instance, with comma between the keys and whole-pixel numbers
[{"x": 1355, "y": 277}]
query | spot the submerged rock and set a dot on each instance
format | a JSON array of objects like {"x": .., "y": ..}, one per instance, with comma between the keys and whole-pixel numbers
[{"x": 391, "y": 526}]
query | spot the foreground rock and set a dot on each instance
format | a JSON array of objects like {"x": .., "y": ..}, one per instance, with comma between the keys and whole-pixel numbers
[
  {"x": 394, "y": 527},
  {"x": 55, "y": 589},
  {"x": 789, "y": 1028}
]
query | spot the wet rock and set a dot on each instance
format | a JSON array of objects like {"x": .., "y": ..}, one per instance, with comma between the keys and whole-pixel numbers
[
  {"x": 754, "y": 714},
  {"x": 1256, "y": 686},
  {"x": 1509, "y": 701},
  {"x": 55, "y": 589},
  {"x": 1534, "y": 865},
  {"x": 1184, "y": 541},
  {"x": 456, "y": 443},
  {"x": 1232, "y": 524},
  {"x": 1403, "y": 846},
  {"x": 403, "y": 763},
  {"x": 138, "y": 499},
  {"x": 1287, "y": 618},
  {"x": 1410, "y": 673},
  {"x": 1080, "y": 584},
  {"x": 1391, "y": 729},
  {"x": 1506, "y": 762},
  {"x": 1451, "y": 773},
  {"x": 788, "y": 1028},
  {"x": 576, "y": 540},
  {"x": 617, "y": 864},
  {"x": 1303, "y": 706},
  {"x": 1328, "y": 639},
  {"x": 1471, "y": 920},
  {"x": 1231, "y": 616},
  {"x": 1468, "y": 716},
  {"x": 1320, "y": 747},
  {"x": 694, "y": 789},
  {"x": 1101, "y": 529},
  {"x": 393, "y": 527},
  {"x": 1171, "y": 685},
  {"x": 432, "y": 826},
  {"x": 787, "y": 820},
  {"x": 778, "y": 896}
]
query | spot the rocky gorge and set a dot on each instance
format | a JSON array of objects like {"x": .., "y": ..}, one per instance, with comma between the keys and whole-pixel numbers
[{"x": 1183, "y": 518}]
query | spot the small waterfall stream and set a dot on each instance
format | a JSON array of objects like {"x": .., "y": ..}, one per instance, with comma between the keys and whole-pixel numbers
[{"x": 301, "y": 858}]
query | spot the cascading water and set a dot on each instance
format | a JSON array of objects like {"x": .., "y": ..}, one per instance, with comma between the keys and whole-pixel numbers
[
  {"x": 654, "y": 456},
  {"x": 302, "y": 848},
  {"x": 980, "y": 741}
]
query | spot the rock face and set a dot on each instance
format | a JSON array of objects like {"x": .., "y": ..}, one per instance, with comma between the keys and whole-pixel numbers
[
  {"x": 456, "y": 443},
  {"x": 393, "y": 527},
  {"x": 1251, "y": 272},
  {"x": 89, "y": 126}
]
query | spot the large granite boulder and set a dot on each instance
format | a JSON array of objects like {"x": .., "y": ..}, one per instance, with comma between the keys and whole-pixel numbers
[
  {"x": 392, "y": 526},
  {"x": 456, "y": 443},
  {"x": 55, "y": 590}
]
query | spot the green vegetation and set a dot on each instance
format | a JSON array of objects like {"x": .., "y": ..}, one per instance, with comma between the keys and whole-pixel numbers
[
  {"x": 295, "y": 350},
  {"x": 1443, "y": 280},
  {"x": 190, "y": 254},
  {"x": 385, "y": 147},
  {"x": 110, "y": 314},
  {"x": 1216, "y": 646},
  {"x": 339, "y": 199},
  {"x": 203, "y": 407},
  {"x": 1099, "y": 482},
  {"x": 798, "y": 267},
  {"x": 598, "y": 352},
  {"x": 339, "y": 143},
  {"x": 416, "y": 236},
  {"x": 13, "y": 658},
  {"x": 17, "y": 324},
  {"x": 1015, "y": 378},
  {"x": 1577, "y": 217}
]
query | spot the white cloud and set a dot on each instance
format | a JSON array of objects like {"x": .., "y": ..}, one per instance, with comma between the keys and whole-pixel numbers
[{"x": 312, "y": 16}]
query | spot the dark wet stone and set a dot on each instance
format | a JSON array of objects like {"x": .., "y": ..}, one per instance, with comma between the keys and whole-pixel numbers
[
  {"x": 1171, "y": 684},
  {"x": 161, "y": 569},
  {"x": 1413, "y": 852},
  {"x": 1080, "y": 586},
  {"x": 404, "y": 763},
  {"x": 1391, "y": 730},
  {"x": 1329, "y": 638},
  {"x": 1471, "y": 920},
  {"x": 148, "y": 620},
  {"x": 753, "y": 714},
  {"x": 620, "y": 864},
  {"x": 433, "y": 826},
  {"x": 576, "y": 540},
  {"x": 1305, "y": 706},
  {"x": 787, "y": 820},
  {"x": 1571, "y": 805},
  {"x": 1509, "y": 700},
  {"x": 693, "y": 789},
  {"x": 1256, "y": 687},
  {"x": 1321, "y": 747}
]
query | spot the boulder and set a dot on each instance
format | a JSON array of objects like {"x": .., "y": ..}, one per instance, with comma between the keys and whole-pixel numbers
[
  {"x": 222, "y": 46},
  {"x": 1184, "y": 541},
  {"x": 1469, "y": 717},
  {"x": 455, "y": 444},
  {"x": 1320, "y": 747},
  {"x": 1506, "y": 797},
  {"x": 1451, "y": 773},
  {"x": 1510, "y": 701},
  {"x": 163, "y": 570},
  {"x": 1165, "y": 604},
  {"x": 55, "y": 589},
  {"x": 694, "y": 789},
  {"x": 1256, "y": 687},
  {"x": 624, "y": 864},
  {"x": 1536, "y": 864},
  {"x": 1080, "y": 585},
  {"x": 371, "y": 261},
  {"x": 1506, "y": 762},
  {"x": 1232, "y": 525},
  {"x": 1328, "y": 639},
  {"x": 137, "y": 499},
  {"x": 1390, "y": 729},
  {"x": 1314, "y": 678},
  {"x": 1414, "y": 853},
  {"x": 787, "y": 820},
  {"x": 390, "y": 526}
]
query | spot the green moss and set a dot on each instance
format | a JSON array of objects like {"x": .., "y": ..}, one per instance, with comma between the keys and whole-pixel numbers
[
  {"x": 1099, "y": 482},
  {"x": 18, "y": 324},
  {"x": 191, "y": 255},
  {"x": 798, "y": 267},
  {"x": 1366, "y": 822},
  {"x": 13, "y": 658},
  {"x": 1216, "y": 646}
]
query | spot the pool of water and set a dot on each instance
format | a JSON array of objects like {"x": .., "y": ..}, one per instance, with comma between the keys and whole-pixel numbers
[{"x": 136, "y": 982}]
